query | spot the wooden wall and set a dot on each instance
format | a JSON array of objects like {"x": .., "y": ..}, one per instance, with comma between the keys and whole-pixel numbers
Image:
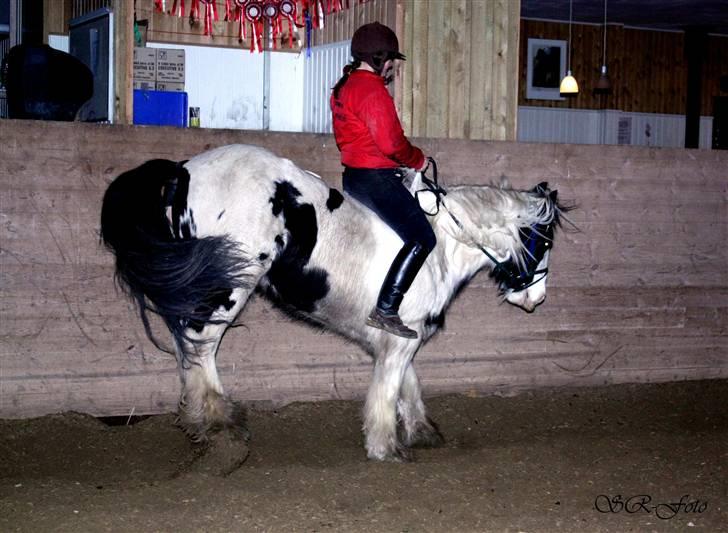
[
  {"x": 162, "y": 27},
  {"x": 165, "y": 28},
  {"x": 648, "y": 69},
  {"x": 56, "y": 14},
  {"x": 341, "y": 25},
  {"x": 461, "y": 78},
  {"x": 640, "y": 294},
  {"x": 460, "y": 81}
]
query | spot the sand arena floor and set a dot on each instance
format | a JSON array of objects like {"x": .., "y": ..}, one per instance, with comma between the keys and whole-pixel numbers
[{"x": 619, "y": 458}]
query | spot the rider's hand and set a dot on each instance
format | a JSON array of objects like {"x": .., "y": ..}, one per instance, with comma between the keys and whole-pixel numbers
[{"x": 425, "y": 164}]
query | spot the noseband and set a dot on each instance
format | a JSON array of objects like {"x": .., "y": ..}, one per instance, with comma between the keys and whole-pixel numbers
[{"x": 536, "y": 241}]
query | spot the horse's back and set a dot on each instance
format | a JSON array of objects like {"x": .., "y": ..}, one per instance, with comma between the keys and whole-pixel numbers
[
  {"x": 313, "y": 236},
  {"x": 232, "y": 188}
]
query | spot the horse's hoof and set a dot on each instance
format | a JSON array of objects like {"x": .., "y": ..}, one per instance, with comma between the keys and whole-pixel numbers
[
  {"x": 239, "y": 433},
  {"x": 196, "y": 432},
  {"x": 221, "y": 454},
  {"x": 398, "y": 455},
  {"x": 237, "y": 421},
  {"x": 425, "y": 436}
]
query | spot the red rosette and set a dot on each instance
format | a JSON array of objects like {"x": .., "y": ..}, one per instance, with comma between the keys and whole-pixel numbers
[
  {"x": 194, "y": 11},
  {"x": 178, "y": 8},
  {"x": 240, "y": 18},
  {"x": 210, "y": 12},
  {"x": 287, "y": 8},
  {"x": 253, "y": 11},
  {"x": 271, "y": 11}
]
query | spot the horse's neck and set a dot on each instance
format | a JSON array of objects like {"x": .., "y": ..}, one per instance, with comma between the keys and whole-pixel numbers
[
  {"x": 482, "y": 217},
  {"x": 458, "y": 256}
]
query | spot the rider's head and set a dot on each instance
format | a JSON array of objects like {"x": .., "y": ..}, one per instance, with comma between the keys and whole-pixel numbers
[{"x": 375, "y": 44}]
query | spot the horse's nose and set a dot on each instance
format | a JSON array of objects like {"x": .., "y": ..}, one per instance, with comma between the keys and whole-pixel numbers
[
  {"x": 539, "y": 301},
  {"x": 530, "y": 304}
]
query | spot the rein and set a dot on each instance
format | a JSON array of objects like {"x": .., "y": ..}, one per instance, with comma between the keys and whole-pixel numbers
[{"x": 515, "y": 279}]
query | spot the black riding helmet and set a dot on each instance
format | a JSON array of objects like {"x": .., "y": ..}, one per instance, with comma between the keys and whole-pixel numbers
[{"x": 375, "y": 43}]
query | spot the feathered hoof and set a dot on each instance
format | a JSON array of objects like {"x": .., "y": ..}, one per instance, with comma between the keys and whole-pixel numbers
[
  {"x": 425, "y": 436},
  {"x": 399, "y": 455},
  {"x": 237, "y": 421},
  {"x": 221, "y": 454},
  {"x": 227, "y": 415}
]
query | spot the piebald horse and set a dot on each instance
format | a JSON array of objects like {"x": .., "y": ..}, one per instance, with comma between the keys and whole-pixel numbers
[{"x": 194, "y": 239}]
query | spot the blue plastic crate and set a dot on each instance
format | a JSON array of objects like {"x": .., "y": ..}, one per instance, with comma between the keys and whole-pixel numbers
[{"x": 160, "y": 108}]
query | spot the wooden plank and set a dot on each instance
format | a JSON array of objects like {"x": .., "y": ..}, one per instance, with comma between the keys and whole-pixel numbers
[
  {"x": 487, "y": 64},
  {"x": 56, "y": 14},
  {"x": 459, "y": 50},
  {"x": 512, "y": 70},
  {"x": 477, "y": 103},
  {"x": 500, "y": 70},
  {"x": 123, "y": 61},
  {"x": 404, "y": 82},
  {"x": 438, "y": 105},
  {"x": 420, "y": 68}
]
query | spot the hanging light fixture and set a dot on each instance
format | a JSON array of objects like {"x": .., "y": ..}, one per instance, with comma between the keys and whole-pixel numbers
[
  {"x": 604, "y": 86},
  {"x": 568, "y": 84}
]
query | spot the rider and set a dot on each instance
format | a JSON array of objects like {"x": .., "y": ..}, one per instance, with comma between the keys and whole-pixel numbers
[{"x": 373, "y": 148}]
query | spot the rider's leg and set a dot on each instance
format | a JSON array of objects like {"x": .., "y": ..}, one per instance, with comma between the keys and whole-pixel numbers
[
  {"x": 382, "y": 191},
  {"x": 401, "y": 274}
]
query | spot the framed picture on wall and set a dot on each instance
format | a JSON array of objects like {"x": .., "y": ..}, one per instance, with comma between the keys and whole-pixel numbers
[{"x": 546, "y": 69}]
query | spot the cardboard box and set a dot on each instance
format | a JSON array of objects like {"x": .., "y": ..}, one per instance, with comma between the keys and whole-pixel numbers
[
  {"x": 145, "y": 64},
  {"x": 144, "y": 85},
  {"x": 170, "y": 65},
  {"x": 170, "y": 86}
]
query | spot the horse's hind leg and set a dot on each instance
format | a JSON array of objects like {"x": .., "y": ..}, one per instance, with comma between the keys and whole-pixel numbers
[
  {"x": 203, "y": 405},
  {"x": 419, "y": 431}
]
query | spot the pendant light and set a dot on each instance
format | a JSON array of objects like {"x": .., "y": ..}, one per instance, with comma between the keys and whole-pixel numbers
[
  {"x": 568, "y": 84},
  {"x": 604, "y": 86}
]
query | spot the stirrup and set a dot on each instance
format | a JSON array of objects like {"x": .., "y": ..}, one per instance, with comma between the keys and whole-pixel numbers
[{"x": 390, "y": 323}]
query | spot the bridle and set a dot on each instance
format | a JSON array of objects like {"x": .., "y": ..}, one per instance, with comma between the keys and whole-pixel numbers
[{"x": 537, "y": 241}]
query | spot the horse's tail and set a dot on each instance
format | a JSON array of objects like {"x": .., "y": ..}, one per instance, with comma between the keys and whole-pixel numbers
[{"x": 182, "y": 279}]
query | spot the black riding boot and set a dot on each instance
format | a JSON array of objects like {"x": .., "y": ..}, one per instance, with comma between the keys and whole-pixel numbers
[{"x": 401, "y": 274}]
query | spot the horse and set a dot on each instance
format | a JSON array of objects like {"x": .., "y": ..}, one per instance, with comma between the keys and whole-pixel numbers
[{"x": 194, "y": 239}]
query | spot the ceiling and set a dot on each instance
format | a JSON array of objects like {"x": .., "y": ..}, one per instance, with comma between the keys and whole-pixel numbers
[{"x": 708, "y": 15}]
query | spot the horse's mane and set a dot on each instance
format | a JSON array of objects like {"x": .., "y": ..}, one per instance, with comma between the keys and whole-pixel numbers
[{"x": 492, "y": 215}]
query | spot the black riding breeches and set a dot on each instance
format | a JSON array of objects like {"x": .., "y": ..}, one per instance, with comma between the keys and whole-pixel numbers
[{"x": 382, "y": 191}]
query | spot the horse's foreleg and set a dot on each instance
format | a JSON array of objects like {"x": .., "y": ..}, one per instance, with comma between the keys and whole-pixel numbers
[
  {"x": 380, "y": 411},
  {"x": 418, "y": 429},
  {"x": 203, "y": 404}
]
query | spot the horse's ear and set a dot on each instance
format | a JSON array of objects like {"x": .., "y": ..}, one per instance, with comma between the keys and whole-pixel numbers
[
  {"x": 541, "y": 188},
  {"x": 554, "y": 196}
]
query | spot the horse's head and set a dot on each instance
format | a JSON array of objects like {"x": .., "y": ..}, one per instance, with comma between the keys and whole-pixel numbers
[
  {"x": 520, "y": 264},
  {"x": 523, "y": 279}
]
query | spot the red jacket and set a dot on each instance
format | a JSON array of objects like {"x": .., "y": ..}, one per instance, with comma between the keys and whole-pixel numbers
[{"x": 367, "y": 129}]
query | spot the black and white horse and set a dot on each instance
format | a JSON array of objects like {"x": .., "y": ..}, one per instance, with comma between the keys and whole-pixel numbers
[{"x": 194, "y": 239}]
